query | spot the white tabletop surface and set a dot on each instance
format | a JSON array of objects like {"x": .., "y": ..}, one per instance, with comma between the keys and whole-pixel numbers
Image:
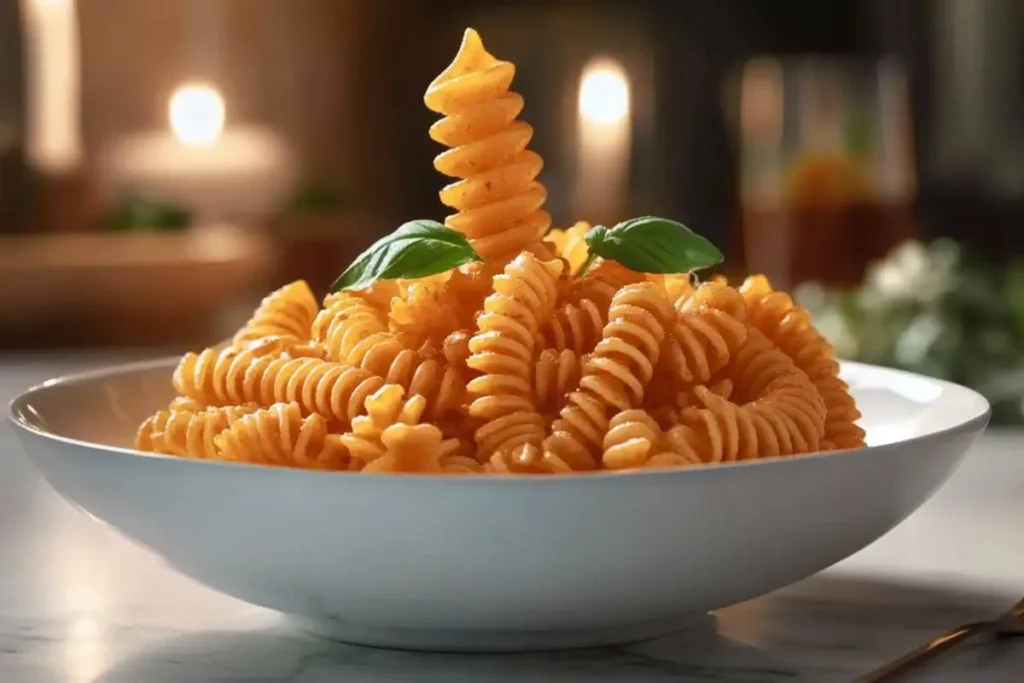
[{"x": 81, "y": 605}]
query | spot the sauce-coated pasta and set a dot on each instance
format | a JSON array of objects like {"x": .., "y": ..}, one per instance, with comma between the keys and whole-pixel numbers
[{"x": 534, "y": 360}]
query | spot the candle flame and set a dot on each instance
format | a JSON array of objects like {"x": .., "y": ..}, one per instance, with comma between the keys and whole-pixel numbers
[
  {"x": 604, "y": 92},
  {"x": 196, "y": 113}
]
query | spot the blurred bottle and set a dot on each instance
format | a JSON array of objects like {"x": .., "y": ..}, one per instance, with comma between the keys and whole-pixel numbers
[{"x": 826, "y": 170}]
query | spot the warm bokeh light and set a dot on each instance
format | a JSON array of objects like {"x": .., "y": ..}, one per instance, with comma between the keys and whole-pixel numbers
[
  {"x": 604, "y": 92},
  {"x": 196, "y": 114}
]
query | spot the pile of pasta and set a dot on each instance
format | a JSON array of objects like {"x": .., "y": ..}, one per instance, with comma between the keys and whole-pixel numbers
[{"x": 516, "y": 364}]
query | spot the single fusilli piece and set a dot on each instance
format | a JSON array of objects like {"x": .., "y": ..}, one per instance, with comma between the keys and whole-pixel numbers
[
  {"x": 760, "y": 370},
  {"x": 570, "y": 245},
  {"x": 575, "y": 325},
  {"x": 184, "y": 404},
  {"x": 215, "y": 376},
  {"x": 678, "y": 286},
  {"x": 458, "y": 462},
  {"x": 421, "y": 313},
  {"x": 384, "y": 407},
  {"x": 229, "y": 377},
  {"x": 503, "y": 352},
  {"x": 281, "y": 435},
  {"x": 336, "y": 391},
  {"x": 666, "y": 409},
  {"x": 614, "y": 376},
  {"x": 613, "y": 273},
  {"x": 633, "y": 436},
  {"x": 352, "y": 326},
  {"x": 418, "y": 372},
  {"x": 594, "y": 288},
  {"x": 707, "y": 332},
  {"x": 187, "y": 433},
  {"x": 498, "y": 198},
  {"x": 374, "y": 300},
  {"x": 776, "y": 411},
  {"x": 287, "y": 313},
  {"x": 723, "y": 431},
  {"x": 525, "y": 459},
  {"x": 789, "y": 326},
  {"x": 358, "y": 335},
  {"x": 412, "y": 449},
  {"x": 557, "y": 373}
]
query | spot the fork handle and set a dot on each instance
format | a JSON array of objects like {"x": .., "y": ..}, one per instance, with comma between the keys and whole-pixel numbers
[{"x": 920, "y": 655}]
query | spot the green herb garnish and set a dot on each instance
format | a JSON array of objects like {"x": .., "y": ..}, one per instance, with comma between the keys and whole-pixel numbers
[
  {"x": 649, "y": 244},
  {"x": 416, "y": 249}
]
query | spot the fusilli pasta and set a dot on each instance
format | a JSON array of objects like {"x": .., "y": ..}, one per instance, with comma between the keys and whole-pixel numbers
[
  {"x": 287, "y": 313},
  {"x": 519, "y": 364},
  {"x": 615, "y": 375},
  {"x": 789, "y": 327},
  {"x": 631, "y": 437},
  {"x": 498, "y": 199},
  {"x": 385, "y": 407},
  {"x": 281, "y": 435},
  {"x": 557, "y": 373},
  {"x": 187, "y": 433},
  {"x": 503, "y": 352},
  {"x": 569, "y": 244}
]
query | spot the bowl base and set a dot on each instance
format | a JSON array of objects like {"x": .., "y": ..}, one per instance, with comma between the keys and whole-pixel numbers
[{"x": 484, "y": 641}]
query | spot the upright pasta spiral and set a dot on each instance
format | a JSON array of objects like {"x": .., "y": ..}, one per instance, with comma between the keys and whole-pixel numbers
[{"x": 498, "y": 199}]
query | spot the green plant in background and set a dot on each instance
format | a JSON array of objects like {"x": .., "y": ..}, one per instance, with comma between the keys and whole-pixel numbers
[
  {"x": 938, "y": 310},
  {"x": 137, "y": 213},
  {"x": 315, "y": 198}
]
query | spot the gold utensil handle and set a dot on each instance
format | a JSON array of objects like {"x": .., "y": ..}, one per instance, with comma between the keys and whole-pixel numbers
[{"x": 922, "y": 654}]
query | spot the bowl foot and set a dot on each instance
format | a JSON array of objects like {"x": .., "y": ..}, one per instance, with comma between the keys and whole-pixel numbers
[{"x": 455, "y": 640}]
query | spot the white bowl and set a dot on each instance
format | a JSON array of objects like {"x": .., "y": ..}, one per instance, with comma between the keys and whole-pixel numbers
[{"x": 496, "y": 563}]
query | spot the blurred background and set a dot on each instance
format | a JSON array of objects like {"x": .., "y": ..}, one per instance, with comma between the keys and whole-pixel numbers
[{"x": 164, "y": 163}]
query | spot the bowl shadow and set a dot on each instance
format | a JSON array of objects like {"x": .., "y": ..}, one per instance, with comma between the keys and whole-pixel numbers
[
  {"x": 280, "y": 653},
  {"x": 828, "y": 628}
]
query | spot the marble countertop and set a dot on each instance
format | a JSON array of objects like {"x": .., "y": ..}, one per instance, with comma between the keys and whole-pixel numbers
[{"x": 80, "y": 605}]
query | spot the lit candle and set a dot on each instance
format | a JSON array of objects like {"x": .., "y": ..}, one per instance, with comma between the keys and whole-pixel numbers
[
  {"x": 603, "y": 138},
  {"x": 219, "y": 172},
  {"x": 52, "y": 63}
]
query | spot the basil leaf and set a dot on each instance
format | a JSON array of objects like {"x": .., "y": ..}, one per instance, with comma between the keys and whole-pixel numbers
[
  {"x": 416, "y": 249},
  {"x": 649, "y": 244}
]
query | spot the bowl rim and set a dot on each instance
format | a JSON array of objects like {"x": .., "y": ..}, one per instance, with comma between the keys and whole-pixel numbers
[{"x": 18, "y": 416}]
